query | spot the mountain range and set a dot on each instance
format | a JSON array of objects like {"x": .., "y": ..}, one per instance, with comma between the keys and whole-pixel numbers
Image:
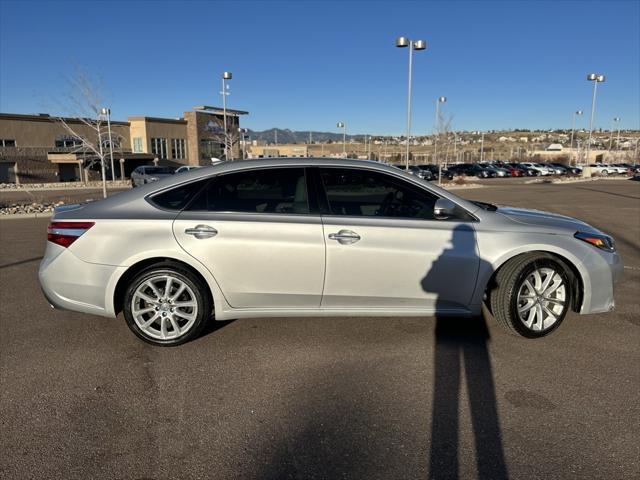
[{"x": 284, "y": 135}]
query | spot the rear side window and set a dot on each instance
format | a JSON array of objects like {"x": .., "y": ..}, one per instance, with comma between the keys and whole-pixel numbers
[
  {"x": 273, "y": 190},
  {"x": 178, "y": 197}
]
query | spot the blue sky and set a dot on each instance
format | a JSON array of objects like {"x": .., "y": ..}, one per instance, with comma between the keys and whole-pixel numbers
[{"x": 305, "y": 65}]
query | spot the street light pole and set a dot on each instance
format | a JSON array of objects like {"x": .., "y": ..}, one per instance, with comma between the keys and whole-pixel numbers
[
  {"x": 224, "y": 93},
  {"x": 618, "y": 138},
  {"x": 402, "y": 42},
  {"x": 242, "y": 133},
  {"x": 615, "y": 121},
  {"x": 595, "y": 78},
  {"x": 104, "y": 178},
  {"x": 107, "y": 112},
  {"x": 573, "y": 127},
  {"x": 343, "y": 126},
  {"x": 435, "y": 142},
  {"x": 482, "y": 147}
]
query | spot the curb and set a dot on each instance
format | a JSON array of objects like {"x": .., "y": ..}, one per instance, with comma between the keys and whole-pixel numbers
[
  {"x": 18, "y": 216},
  {"x": 465, "y": 187},
  {"x": 568, "y": 182},
  {"x": 62, "y": 189}
]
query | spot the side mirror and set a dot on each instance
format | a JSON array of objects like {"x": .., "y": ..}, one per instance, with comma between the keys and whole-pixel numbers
[{"x": 444, "y": 209}]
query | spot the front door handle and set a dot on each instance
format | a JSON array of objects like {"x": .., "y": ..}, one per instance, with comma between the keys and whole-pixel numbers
[
  {"x": 345, "y": 237},
  {"x": 202, "y": 231}
]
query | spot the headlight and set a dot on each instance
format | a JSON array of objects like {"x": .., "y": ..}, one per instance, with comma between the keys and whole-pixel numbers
[{"x": 603, "y": 242}]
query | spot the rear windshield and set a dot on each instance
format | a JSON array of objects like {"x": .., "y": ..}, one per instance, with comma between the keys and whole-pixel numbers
[{"x": 157, "y": 170}]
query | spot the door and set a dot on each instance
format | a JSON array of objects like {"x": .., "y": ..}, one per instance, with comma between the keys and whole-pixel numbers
[
  {"x": 253, "y": 230},
  {"x": 385, "y": 249}
]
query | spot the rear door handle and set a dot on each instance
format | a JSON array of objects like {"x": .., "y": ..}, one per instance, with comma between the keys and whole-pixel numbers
[
  {"x": 202, "y": 231},
  {"x": 345, "y": 237}
]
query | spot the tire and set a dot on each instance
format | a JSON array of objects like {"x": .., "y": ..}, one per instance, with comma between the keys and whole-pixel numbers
[
  {"x": 605, "y": 172},
  {"x": 186, "y": 311},
  {"x": 512, "y": 291}
]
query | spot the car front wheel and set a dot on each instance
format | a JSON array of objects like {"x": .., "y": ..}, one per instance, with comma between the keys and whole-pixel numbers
[
  {"x": 532, "y": 294},
  {"x": 167, "y": 305}
]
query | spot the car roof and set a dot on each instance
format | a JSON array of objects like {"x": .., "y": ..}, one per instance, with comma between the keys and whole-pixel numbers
[{"x": 196, "y": 174}]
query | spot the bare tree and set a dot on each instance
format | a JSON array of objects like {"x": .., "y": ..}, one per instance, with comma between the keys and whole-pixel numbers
[
  {"x": 84, "y": 103},
  {"x": 443, "y": 128}
]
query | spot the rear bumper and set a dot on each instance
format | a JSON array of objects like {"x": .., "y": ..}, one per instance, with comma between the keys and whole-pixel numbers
[{"x": 69, "y": 283}]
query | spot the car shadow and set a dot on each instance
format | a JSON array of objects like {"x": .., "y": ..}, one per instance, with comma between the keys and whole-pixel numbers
[
  {"x": 461, "y": 353},
  {"x": 213, "y": 326}
]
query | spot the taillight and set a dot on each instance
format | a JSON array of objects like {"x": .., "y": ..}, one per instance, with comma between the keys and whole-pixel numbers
[{"x": 65, "y": 233}]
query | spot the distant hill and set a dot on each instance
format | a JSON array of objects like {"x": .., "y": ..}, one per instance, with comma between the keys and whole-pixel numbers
[{"x": 291, "y": 136}]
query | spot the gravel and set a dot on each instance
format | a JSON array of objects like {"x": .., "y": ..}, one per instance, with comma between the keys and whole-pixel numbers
[{"x": 19, "y": 209}]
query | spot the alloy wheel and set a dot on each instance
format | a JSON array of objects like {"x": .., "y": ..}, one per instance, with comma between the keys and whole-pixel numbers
[
  {"x": 542, "y": 299},
  {"x": 164, "y": 307}
]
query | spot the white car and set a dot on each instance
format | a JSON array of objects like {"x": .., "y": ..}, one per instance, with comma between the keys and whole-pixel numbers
[
  {"x": 606, "y": 169},
  {"x": 538, "y": 168},
  {"x": 318, "y": 237},
  {"x": 186, "y": 168}
]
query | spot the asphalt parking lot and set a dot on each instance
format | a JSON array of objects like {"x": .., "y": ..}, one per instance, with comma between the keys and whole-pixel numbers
[{"x": 326, "y": 398}]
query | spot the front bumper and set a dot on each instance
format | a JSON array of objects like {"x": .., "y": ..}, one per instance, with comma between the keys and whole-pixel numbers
[{"x": 604, "y": 271}]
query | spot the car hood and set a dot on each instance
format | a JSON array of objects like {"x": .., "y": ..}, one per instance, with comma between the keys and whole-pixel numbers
[{"x": 546, "y": 220}]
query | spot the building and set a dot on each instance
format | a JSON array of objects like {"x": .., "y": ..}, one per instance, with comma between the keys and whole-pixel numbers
[
  {"x": 554, "y": 147},
  {"x": 44, "y": 148},
  {"x": 281, "y": 150}
]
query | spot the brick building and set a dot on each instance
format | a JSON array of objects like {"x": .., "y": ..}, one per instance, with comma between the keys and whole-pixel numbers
[{"x": 39, "y": 148}]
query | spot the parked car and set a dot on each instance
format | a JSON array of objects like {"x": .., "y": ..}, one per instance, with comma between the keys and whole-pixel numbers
[
  {"x": 616, "y": 168},
  {"x": 186, "y": 168},
  {"x": 435, "y": 171},
  {"x": 629, "y": 168},
  {"x": 472, "y": 170},
  {"x": 318, "y": 237},
  {"x": 499, "y": 172},
  {"x": 149, "y": 173},
  {"x": 605, "y": 169},
  {"x": 420, "y": 173},
  {"x": 558, "y": 168},
  {"x": 515, "y": 170},
  {"x": 538, "y": 168}
]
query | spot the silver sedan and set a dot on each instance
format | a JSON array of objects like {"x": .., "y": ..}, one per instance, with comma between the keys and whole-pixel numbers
[{"x": 318, "y": 237}]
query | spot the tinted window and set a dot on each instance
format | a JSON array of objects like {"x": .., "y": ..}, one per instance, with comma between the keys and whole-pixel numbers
[
  {"x": 177, "y": 198},
  {"x": 373, "y": 194},
  {"x": 273, "y": 190},
  {"x": 157, "y": 170}
]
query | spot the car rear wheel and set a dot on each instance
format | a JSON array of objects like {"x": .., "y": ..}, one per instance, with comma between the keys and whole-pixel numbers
[
  {"x": 532, "y": 294},
  {"x": 167, "y": 305}
]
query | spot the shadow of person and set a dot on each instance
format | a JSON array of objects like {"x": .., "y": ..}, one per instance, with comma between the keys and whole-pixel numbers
[{"x": 461, "y": 342}]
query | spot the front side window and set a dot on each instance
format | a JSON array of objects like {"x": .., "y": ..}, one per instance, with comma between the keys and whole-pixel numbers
[
  {"x": 363, "y": 193},
  {"x": 273, "y": 190}
]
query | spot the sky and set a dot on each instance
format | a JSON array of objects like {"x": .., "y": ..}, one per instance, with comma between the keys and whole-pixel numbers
[{"x": 306, "y": 65}]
